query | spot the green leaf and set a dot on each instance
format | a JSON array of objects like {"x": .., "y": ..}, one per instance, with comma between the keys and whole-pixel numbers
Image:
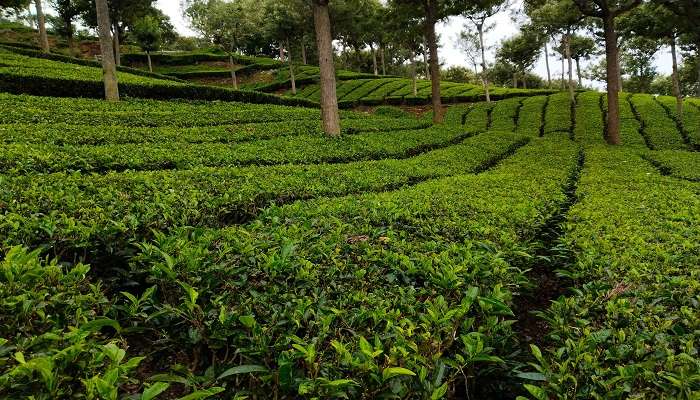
[
  {"x": 439, "y": 392},
  {"x": 247, "y": 320},
  {"x": 533, "y": 376},
  {"x": 391, "y": 372},
  {"x": 536, "y": 391},
  {"x": 242, "y": 369},
  {"x": 202, "y": 394},
  {"x": 97, "y": 324},
  {"x": 154, "y": 390}
]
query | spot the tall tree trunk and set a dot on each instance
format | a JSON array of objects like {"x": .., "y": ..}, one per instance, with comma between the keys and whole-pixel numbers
[
  {"x": 117, "y": 49},
  {"x": 563, "y": 71},
  {"x": 150, "y": 65},
  {"x": 425, "y": 63},
  {"x": 29, "y": 16},
  {"x": 303, "y": 50},
  {"x": 546, "y": 62},
  {"x": 281, "y": 53},
  {"x": 524, "y": 80},
  {"x": 374, "y": 60},
  {"x": 414, "y": 72},
  {"x": 109, "y": 68},
  {"x": 381, "y": 53},
  {"x": 431, "y": 37},
  {"x": 578, "y": 72},
  {"x": 41, "y": 21},
  {"x": 234, "y": 78},
  {"x": 619, "y": 68},
  {"x": 515, "y": 80},
  {"x": 676, "y": 80},
  {"x": 697, "y": 67},
  {"x": 291, "y": 68},
  {"x": 567, "y": 42},
  {"x": 613, "y": 81},
  {"x": 324, "y": 44},
  {"x": 484, "y": 74}
]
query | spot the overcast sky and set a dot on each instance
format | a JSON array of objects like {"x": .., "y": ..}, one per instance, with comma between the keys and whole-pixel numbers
[{"x": 448, "y": 31}]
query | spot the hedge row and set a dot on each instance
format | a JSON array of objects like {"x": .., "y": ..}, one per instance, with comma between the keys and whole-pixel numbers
[
  {"x": 95, "y": 212},
  {"x": 504, "y": 114},
  {"x": 32, "y": 52},
  {"x": 195, "y": 58},
  {"x": 691, "y": 118},
  {"x": 219, "y": 73},
  {"x": 660, "y": 130},
  {"x": 557, "y": 115},
  {"x": 590, "y": 126},
  {"x": 146, "y": 113},
  {"x": 301, "y": 149},
  {"x": 631, "y": 329},
  {"x": 530, "y": 118},
  {"x": 26, "y": 75},
  {"x": 679, "y": 164},
  {"x": 68, "y": 134},
  {"x": 411, "y": 287}
]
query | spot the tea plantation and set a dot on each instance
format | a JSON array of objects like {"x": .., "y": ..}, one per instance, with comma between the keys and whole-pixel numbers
[{"x": 161, "y": 248}]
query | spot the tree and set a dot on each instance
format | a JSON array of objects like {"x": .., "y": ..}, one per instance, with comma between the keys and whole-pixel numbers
[
  {"x": 324, "y": 43},
  {"x": 284, "y": 21},
  {"x": 478, "y": 11},
  {"x": 147, "y": 33},
  {"x": 123, "y": 14},
  {"x": 468, "y": 42},
  {"x": 226, "y": 24},
  {"x": 521, "y": 51},
  {"x": 637, "y": 58},
  {"x": 406, "y": 33},
  {"x": 41, "y": 23},
  {"x": 430, "y": 12},
  {"x": 560, "y": 17},
  {"x": 109, "y": 69},
  {"x": 582, "y": 47},
  {"x": 608, "y": 11},
  {"x": 67, "y": 11}
]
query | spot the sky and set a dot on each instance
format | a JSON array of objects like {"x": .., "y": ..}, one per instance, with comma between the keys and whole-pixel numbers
[{"x": 449, "y": 52}]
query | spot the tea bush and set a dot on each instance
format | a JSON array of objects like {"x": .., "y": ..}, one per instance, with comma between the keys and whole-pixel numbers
[{"x": 660, "y": 130}]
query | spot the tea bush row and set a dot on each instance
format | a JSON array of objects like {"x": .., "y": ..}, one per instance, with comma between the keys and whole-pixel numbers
[
  {"x": 680, "y": 164},
  {"x": 388, "y": 294},
  {"x": 67, "y": 134},
  {"x": 300, "y": 149},
  {"x": 630, "y": 328},
  {"x": 660, "y": 130},
  {"x": 67, "y": 211}
]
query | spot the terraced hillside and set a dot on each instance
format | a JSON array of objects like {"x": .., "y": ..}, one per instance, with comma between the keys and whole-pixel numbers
[{"x": 223, "y": 249}]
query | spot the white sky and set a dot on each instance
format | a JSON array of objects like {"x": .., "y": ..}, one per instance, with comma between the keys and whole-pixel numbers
[{"x": 448, "y": 31}]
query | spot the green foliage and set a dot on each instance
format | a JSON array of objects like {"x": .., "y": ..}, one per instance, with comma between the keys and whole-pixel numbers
[
  {"x": 629, "y": 329},
  {"x": 53, "y": 332},
  {"x": 147, "y": 33},
  {"x": 660, "y": 130},
  {"x": 391, "y": 111}
]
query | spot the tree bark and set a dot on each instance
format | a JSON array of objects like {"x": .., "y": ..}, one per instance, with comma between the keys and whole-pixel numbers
[
  {"x": 303, "y": 51},
  {"x": 613, "y": 74},
  {"x": 431, "y": 37},
  {"x": 567, "y": 42},
  {"x": 578, "y": 72},
  {"x": 41, "y": 22},
  {"x": 234, "y": 79},
  {"x": 324, "y": 43},
  {"x": 374, "y": 60},
  {"x": 291, "y": 68},
  {"x": 281, "y": 53},
  {"x": 546, "y": 62},
  {"x": 381, "y": 53},
  {"x": 563, "y": 71},
  {"x": 150, "y": 65},
  {"x": 484, "y": 75},
  {"x": 676, "y": 80},
  {"x": 619, "y": 68},
  {"x": 425, "y": 63},
  {"x": 117, "y": 50},
  {"x": 414, "y": 72},
  {"x": 515, "y": 80},
  {"x": 109, "y": 69}
]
